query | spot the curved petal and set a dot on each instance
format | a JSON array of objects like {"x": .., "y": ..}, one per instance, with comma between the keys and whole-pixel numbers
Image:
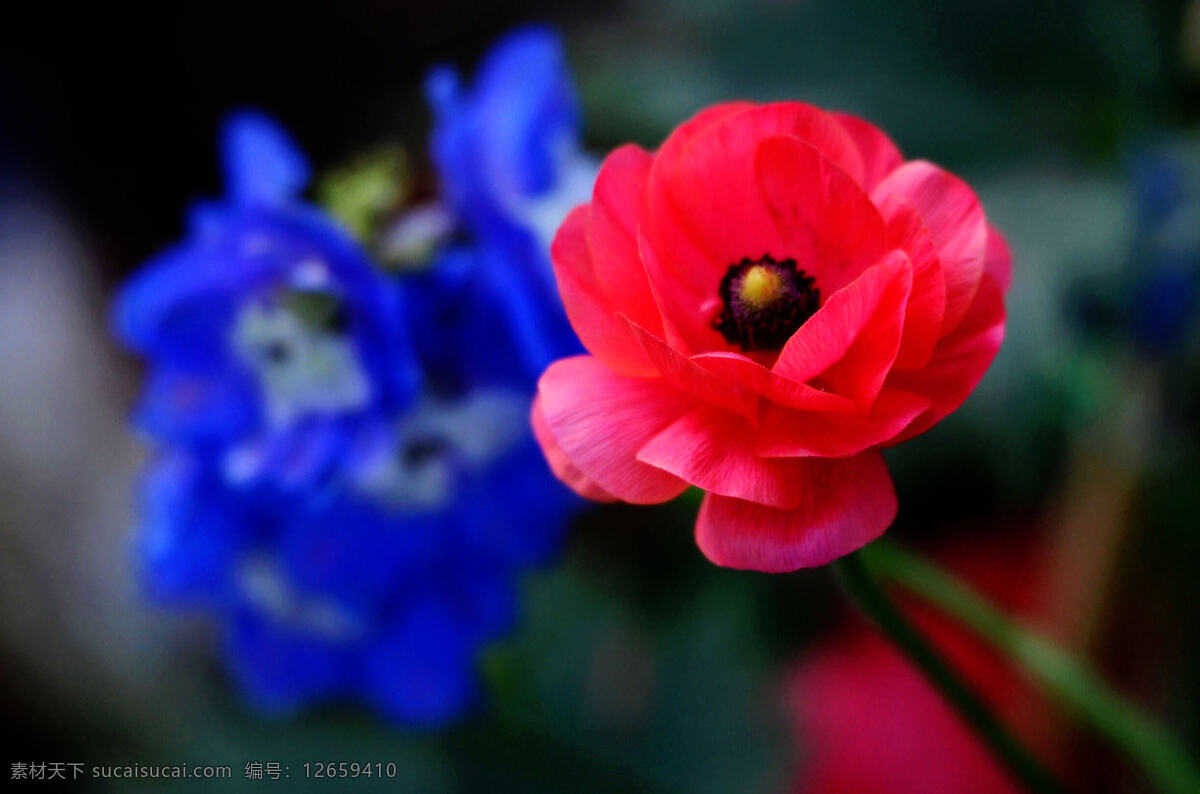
[
  {"x": 956, "y": 222},
  {"x": 959, "y": 361},
  {"x": 591, "y": 313},
  {"x": 999, "y": 259},
  {"x": 694, "y": 379},
  {"x": 612, "y": 234},
  {"x": 785, "y": 432},
  {"x": 562, "y": 467},
  {"x": 737, "y": 368},
  {"x": 852, "y": 341},
  {"x": 687, "y": 309},
  {"x": 846, "y": 503},
  {"x": 701, "y": 121},
  {"x": 714, "y": 451},
  {"x": 822, "y": 217},
  {"x": 879, "y": 155},
  {"x": 262, "y": 163},
  {"x": 927, "y": 303},
  {"x": 600, "y": 419}
]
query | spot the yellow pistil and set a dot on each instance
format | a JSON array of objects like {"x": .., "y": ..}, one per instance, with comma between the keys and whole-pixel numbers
[{"x": 760, "y": 286}]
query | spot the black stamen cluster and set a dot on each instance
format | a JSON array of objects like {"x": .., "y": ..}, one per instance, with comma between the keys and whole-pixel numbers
[{"x": 769, "y": 326}]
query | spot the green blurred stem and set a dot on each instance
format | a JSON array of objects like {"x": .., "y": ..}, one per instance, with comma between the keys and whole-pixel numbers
[
  {"x": 1070, "y": 681},
  {"x": 860, "y": 585}
]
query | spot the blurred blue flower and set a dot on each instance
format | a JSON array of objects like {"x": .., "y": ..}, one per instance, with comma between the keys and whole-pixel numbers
[
  {"x": 268, "y": 331},
  {"x": 510, "y": 165},
  {"x": 1165, "y": 261},
  {"x": 341, "y": 599},
  {"x": 345, "y": 473}
]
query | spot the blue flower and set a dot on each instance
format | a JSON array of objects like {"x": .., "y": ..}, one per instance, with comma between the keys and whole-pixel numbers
[
  {"x": 380, "y": 596},
  {"x": 510, "y": 165},
  {"x": 268, "y": 325},
  {"x": 1165, "y": 261},
  {"x": 507, "y": 148},
  {"x": 344, "y": 472}
]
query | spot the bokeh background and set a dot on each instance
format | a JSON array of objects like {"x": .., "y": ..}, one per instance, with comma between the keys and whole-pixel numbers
[{"x": 1068, "y": 486}]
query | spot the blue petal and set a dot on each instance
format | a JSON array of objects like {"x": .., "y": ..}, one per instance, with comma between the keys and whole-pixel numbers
[
  {"x": 262, "y": 163},
  {"x": 503, "y": 135},
  {"x": 280, "y": 669},
  {"x": 188, "y": 535},
  {"x": 421, "y": 672},
  {"x": 195, "y": 407},
  {"x": 527, "y": 104}
]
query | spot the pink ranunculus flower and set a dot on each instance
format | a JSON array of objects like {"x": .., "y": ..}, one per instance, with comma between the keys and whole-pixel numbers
[{"x": 768, "y": 300}]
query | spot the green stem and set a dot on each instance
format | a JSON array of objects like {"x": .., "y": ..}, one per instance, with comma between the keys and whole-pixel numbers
[
  {"x": 860, "y": 585},
  {"x": 1075, "y": 685}
]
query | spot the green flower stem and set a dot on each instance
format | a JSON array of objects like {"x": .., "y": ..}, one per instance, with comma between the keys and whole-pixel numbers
[
  {"x": 1070, "y": 681},
  {"x": 858, "y": 581}
]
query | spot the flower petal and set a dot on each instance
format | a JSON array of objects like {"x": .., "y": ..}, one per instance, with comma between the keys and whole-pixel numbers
[
  {"x": 687, "y": 310},
  {"x": 711, "y": 189},
  {"x": 616, "y": 208},
  {"x": 879, "y": 155},
  {"x": 959, "y": 361},
  {"x": 852, "y": 341},
  {"x": 600, "y": 418},
  {"x": 823, "y": 219},
  {"x": 705, "y": 209},
  {"x": 999, "y": 259},
  {"x": 737, "y": 368},
  {"x": 954, "y": 218},
  {"x": 713, "y": 450},
  {"x": 694, "y": 379},
  {"x": 927, "y": 303},
  {"x": 588, "y": 307},
  {"x": 846, "y": 503},
  {"x": 562, "y": 467},
  {"x": 785, "y": 432}
]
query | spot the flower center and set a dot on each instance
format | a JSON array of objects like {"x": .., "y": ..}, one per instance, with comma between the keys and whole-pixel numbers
[
  {"x": 765, "y": 301},
  {"x": 298, "y": 346}
]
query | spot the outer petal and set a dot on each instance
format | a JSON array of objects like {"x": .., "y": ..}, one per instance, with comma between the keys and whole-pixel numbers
[
  {"x": 600, "y": 419},
  {"x": 562, "y": 467},
  {"x": 852, "y": 341},
  {"x": 612, "y": 235},
  {"x": 785, "y": 432},
  {"x": 954, "y": 218},
  {"x": 846, "y": 503},
  {"x": 588, "y": 307},
  {"x": 262, "y": 163},
  {"x": 713, "y": 450},
  {"x": 703, "y": 119},
  {"x": 999, "y": 259},
  {"x": 927, "y": 304},
  {"x": 959, "y": 361},
  {"x": 879, "y": 155}
]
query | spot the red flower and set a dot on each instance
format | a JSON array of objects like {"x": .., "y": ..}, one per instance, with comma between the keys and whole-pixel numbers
[{"x": 768, "y": 300}]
